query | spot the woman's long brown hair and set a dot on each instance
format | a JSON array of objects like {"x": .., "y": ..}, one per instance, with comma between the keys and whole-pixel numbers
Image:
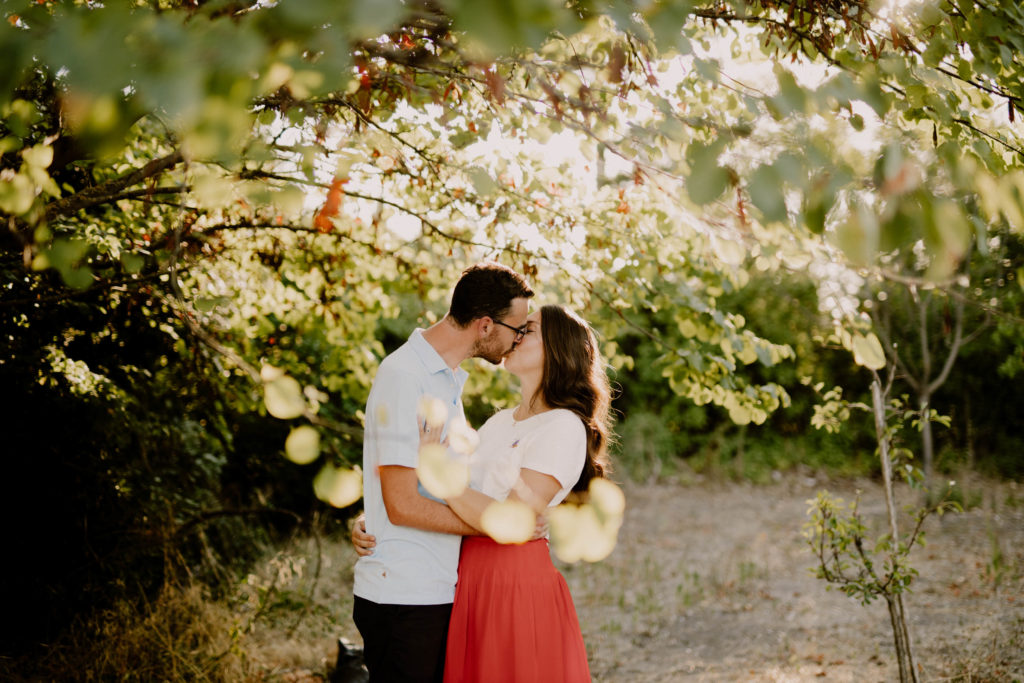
[{"x": 574, "y": 378}]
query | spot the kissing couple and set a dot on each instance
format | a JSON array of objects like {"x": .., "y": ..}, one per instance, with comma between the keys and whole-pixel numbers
[{"x": 437, "y": 599}]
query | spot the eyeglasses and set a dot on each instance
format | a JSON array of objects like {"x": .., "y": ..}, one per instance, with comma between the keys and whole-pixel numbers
[{"x": 520, "y": 331}]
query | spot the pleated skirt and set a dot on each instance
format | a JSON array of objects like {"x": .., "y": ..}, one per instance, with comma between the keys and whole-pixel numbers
[{"x": 513, "y": 619}]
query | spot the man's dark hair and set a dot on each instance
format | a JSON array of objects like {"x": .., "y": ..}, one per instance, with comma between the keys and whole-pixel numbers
[{"x": 486, "y": 289}]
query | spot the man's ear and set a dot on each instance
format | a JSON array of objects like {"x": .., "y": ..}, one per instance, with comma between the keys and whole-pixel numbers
[{"x": 484, "y": 326}]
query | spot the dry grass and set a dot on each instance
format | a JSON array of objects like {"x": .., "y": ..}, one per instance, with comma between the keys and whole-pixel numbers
[
  {"x": 295, "y": 605},
  {"x": 181, "y": 636},
  {"x": 708, "y": 583},
  {"x": 280, "y": 623}
]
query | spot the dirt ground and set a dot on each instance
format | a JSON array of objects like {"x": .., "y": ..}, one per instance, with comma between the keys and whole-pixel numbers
[{"x": 713, "y": 582}]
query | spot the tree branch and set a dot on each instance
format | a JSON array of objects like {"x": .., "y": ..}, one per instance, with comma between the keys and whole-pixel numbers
[
  {"x": 954, "y": 350},
  {"x": 104, "y": 192}
]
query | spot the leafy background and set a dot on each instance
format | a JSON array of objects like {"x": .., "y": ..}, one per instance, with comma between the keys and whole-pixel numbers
[{"x": 733, "y": 193}]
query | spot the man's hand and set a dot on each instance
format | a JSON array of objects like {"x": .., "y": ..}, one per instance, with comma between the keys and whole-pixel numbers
[
  {"x": 540, "y": 529},
  {"x": 362, "y": 541}
]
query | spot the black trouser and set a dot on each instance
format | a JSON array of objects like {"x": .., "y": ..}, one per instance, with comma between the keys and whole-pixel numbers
[{"x": 403, "y": 642}]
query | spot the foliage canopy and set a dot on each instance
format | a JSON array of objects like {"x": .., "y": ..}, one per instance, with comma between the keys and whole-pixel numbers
[{"x": 217, "y": 210}]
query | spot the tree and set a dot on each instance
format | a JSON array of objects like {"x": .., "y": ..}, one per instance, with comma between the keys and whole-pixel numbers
[
  {"x": 262, "y": 186},
  {"x": 241, "y": 151}
]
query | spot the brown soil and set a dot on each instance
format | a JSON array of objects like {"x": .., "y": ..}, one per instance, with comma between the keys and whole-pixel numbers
[{"x": 715, "y": 583}]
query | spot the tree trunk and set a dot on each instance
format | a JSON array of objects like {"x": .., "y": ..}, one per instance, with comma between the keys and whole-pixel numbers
[
  {"x": 897, "y": 610},
  {"x": 901, "y": 638},
  {"x": 970, "y": 431}
]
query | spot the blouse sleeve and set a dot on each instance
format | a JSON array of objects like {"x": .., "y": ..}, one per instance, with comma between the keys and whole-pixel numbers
[{"x": 559, "y": 449}]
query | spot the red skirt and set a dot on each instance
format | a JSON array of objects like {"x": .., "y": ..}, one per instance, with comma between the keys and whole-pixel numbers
[{"x": 513, "y": 618}]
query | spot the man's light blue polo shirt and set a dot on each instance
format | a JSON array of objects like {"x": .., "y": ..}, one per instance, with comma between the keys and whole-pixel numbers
[{"x": 408, "y": 566}]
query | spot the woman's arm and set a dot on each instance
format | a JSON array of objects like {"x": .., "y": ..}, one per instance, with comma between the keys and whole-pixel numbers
[{"x": 533, "y": 488}]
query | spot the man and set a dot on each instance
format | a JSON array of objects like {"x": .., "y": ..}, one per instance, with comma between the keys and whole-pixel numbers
[{"x": 405, "y": 588}]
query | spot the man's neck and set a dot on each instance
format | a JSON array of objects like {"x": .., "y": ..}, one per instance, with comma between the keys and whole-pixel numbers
[{"x": 453, "y": 344}]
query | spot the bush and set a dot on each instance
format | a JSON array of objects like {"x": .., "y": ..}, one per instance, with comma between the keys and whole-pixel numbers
[{"x": 182, "y": 635}]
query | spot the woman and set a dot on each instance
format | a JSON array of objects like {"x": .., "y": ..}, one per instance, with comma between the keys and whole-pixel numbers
[{"x": 513, "y": 618}]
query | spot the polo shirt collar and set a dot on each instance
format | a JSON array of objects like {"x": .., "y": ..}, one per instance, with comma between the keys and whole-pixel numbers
[{"x": 428, "y": 355}]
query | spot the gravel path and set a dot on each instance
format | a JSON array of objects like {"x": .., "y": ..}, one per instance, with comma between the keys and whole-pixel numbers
[{"x": 714, "y": 583}]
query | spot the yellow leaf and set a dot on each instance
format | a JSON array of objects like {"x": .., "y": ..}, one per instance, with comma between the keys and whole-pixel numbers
[
  {"x": 577, "y": 533},
  {"x": 740, "y": 414},
  {"x": 565, "y": 541},
  {"x": 433, "y": 411},
  {"x": 339, "y": 487},
  {"x": 39, "y": 156},
  {"x": 731, "y": 252},
  {"x": 441, "y": 475},
  {"x": 302, "y": 445},
  {"x": 747, "y": 354},
  {"x": 509, "y": 521},
  {"x": 687, "y": 328},
  {"x": 268, "y": 373},
  {"x": 283, "y": 397},
  {"x": 462, "y": 438},
  {"x": 867, "y": 351},
  {"x": 607, "y": 498}
]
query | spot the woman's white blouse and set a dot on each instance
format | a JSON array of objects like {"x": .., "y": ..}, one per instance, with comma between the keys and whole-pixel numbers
[{"x": 553, "y": 442}]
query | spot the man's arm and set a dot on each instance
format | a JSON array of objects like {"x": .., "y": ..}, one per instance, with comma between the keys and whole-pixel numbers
[{"x": 406, "y": 507}]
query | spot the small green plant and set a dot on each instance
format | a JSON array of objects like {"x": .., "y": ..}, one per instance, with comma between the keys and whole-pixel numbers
[
  {"x": 690, "y": 592},
  {"x": 613, "y": 627},
  {"x": 747, "y": 571},
  {"x": 864, "y": 568},
  {"x": 1001, "y": 567},
  {"x": 967, "y": 499},
  {"x": 836, "y": 533}
]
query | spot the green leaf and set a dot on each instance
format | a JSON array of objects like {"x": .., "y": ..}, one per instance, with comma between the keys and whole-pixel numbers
[
  {"x": 765, "y": 188},
  {"x": 66, "y": 256},
  {"x": 371, "y": 18},
  {"x": 948, "y": 236},
  {"x": 858, "y": 236},
  {"x": 707, "y": 180},
  {"x": 791, "y": 97},
  {"x": 209, "y": 303},
  {"x": 132, "y": 263},
  {"x": 709, "y": 69},
  {"x": 483, "y": 184},
  {"x": 667, "y": 21},
  {"x": 17, "y": 193}
]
